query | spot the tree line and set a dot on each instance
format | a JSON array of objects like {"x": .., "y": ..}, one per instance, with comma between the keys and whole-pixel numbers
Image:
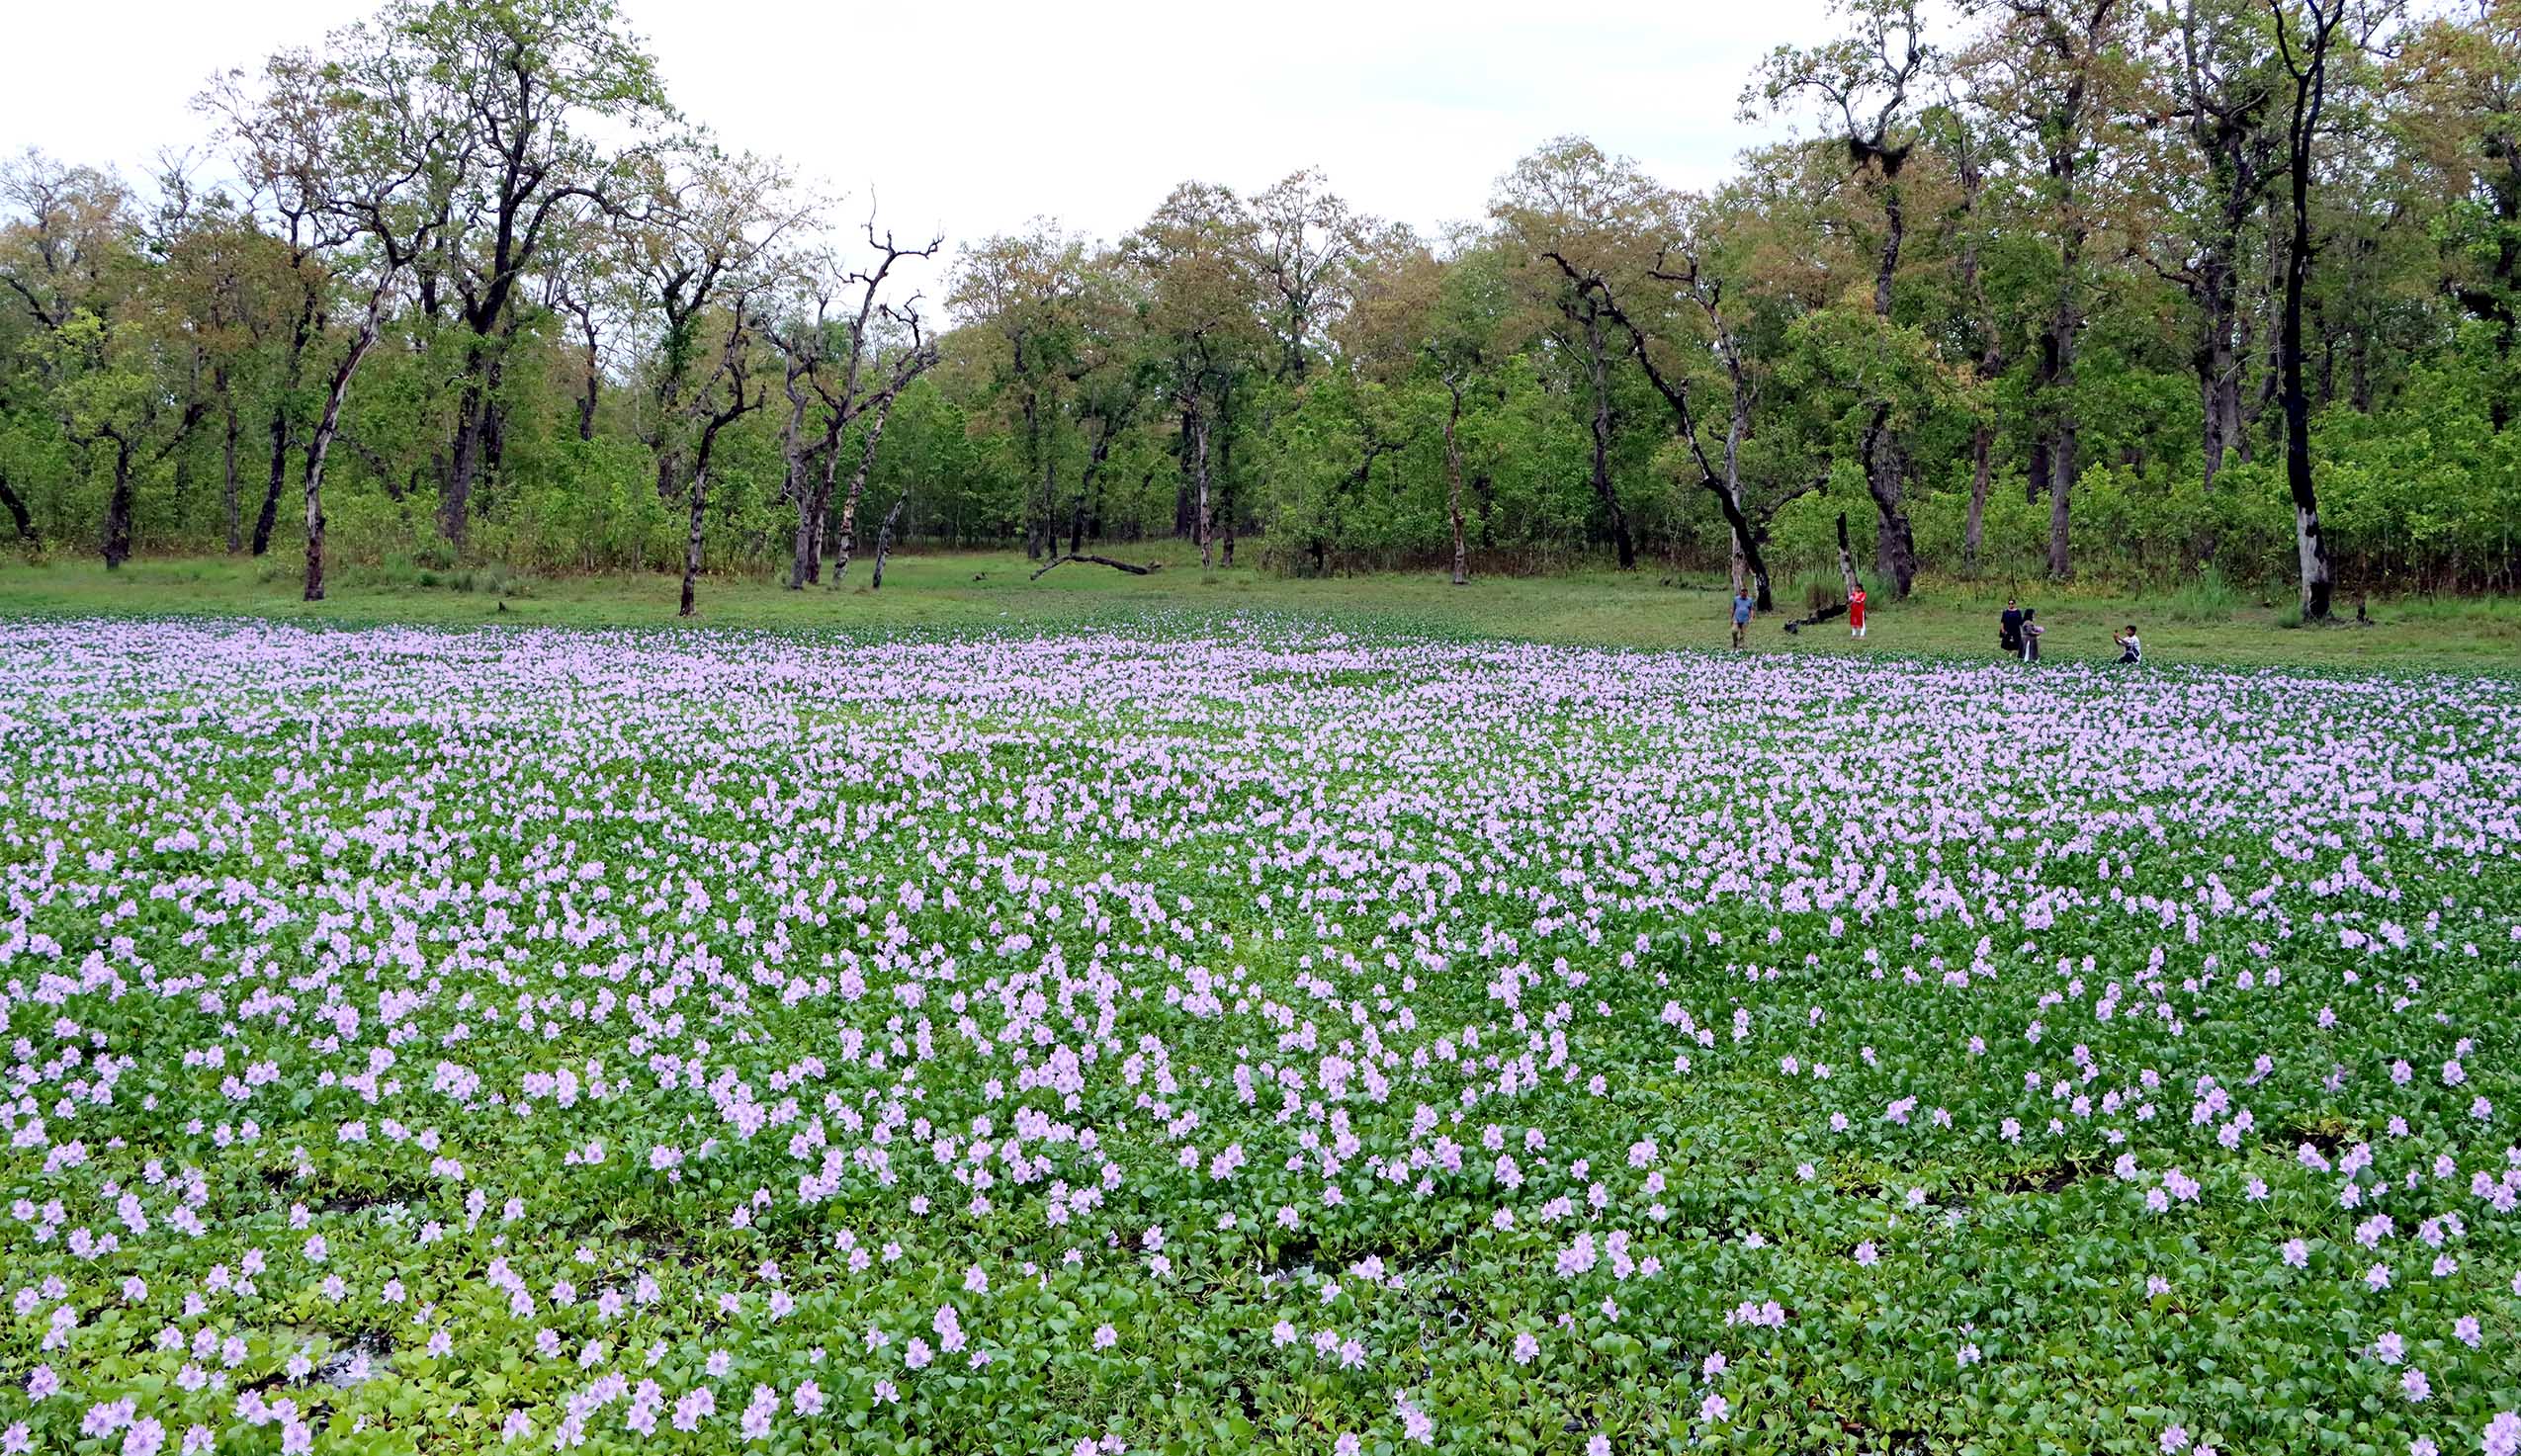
[{"x": 2133, "y": 289}]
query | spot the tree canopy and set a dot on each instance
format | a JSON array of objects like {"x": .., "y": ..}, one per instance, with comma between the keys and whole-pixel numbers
[{"x": 2130, "y": 289}]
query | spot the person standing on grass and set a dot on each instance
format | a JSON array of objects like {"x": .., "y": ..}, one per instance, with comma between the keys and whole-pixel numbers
[
  {"x": 2009, "y": 628},
  {"x": 1856, "y": 611},
  {"x": 2130, "y": 652},
  {"x": 1741, "y": 614},
  {"x": 2031, "y": 632}
]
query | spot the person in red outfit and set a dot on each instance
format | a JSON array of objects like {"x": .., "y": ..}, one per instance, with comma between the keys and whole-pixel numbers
[{"x": 1856, "y": 611}]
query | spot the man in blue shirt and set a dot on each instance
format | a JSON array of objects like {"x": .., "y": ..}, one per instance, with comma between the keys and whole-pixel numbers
[{"x": 1741, "y": 613}]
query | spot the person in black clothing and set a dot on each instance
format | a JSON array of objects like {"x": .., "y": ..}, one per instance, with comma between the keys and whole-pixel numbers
[{"x": 2009, "y": 629}]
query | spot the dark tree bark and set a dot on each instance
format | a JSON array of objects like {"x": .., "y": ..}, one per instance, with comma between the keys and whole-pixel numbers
[
  {"x": 592, "y": 384},
  {"x": 730, "y": 370},
  {"x": 1969, "y": 166},
  {"x": 1453, "y": 479},
  {"x": 2306, "y": 59},
  {"x": 1598, "y": 371},
  {"x": 229, "y": 503},
  {"x": 19, "y": 515},
  {"x": 1090, "y": 491},
  {"x": 2076, "y": 42},
  {"x": 837, "y": 384},
  {"x": 1134, "y": 571},
  {"x": 1727, "y": 487},
  {"x": 118, "y": 506},
  {"x": 1973, "y": 528},
  {"x": 1895, "y": 542},
  {"x": 2226, "y": 122},
  {"x": 269, "y": 516},
  {"x": 471, "y": 410},
  {"x": 1195, "y": 422}
]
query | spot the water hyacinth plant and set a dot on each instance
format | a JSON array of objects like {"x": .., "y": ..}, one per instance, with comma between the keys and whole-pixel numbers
[{"x": 1244, "y": 1038}]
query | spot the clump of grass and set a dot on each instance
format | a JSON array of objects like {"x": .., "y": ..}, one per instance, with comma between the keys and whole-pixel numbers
[
  {"x": 2205, "y": 597},
  {"x": 496, "y": 579}
]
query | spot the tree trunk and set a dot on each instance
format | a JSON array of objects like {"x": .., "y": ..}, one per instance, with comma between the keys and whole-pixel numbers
[
  {"x": 494, "y": 424},
  {"x": 2310, "y": 546},
  {"x": 1199, "y": 479},
  {"x": 269, "y": 516},
  {"x": 1598, "y": 366},
  {"x": 1089, "y": 489},
  {"x": 1974, "y": 531},
  {"x": 884, "y": 542},
  {"x": 2219, "y": 362},
  {"x": 814, "y": 505},
  {"x": 19, "y": 515},
  {"x": 2062, "y": 477},
  {"x": 230, "y": 500},
  {"x": 455, "y": 499},
  {"x": 848, "y": 536},
  {"x": 691, "y": 539},
  {"x": 118, "y": 509},
  {"x": 1846, "y": 559},
  {"x": 595, "y": 380},
  {"x": 319, "y": 444},
  {"x": 1894, "y": 544},
  {"x": 1454, "y": 487},
  {"x": 2057, "y": 345},
  {"x": 1037, "y": 510}
]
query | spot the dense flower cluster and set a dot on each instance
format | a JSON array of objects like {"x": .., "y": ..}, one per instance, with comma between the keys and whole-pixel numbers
[{"x": 1243, "y": 1037}]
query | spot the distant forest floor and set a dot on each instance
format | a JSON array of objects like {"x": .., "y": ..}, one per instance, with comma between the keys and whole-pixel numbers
[{"x": 968, "y": 591}]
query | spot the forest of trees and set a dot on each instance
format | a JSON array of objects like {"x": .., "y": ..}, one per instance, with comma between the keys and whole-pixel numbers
[{"x": 2116, "y": 288}]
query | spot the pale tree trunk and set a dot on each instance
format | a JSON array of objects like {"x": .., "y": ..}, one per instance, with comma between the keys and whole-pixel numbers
[
  {"x": 1846, "y": 559},
  {"x": 1453, "y": 484},
  {"x": 884, "y": 542},
  {"x": 849, "y": 533},
  {"x": 319, "y": 444},
  {"x": 1199, "y": 467}
]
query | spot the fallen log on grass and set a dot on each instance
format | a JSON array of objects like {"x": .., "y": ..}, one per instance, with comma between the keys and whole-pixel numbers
[
  {"x": 1097, "y": 560},
  {"x": 1825, "y": 613}
]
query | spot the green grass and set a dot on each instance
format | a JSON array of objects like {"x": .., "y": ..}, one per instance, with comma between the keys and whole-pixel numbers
[{"x": 2206, "y": 622}]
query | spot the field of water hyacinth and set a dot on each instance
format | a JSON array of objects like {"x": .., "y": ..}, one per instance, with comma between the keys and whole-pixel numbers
[{"x": 1244, "y": 1036}]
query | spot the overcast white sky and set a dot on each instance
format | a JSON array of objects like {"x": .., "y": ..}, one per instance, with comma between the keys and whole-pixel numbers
[{"x": 976, "y": 117}]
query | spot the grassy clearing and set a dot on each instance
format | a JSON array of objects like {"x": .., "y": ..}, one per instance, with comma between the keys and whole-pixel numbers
[{"x": 2206, "y": 622}]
